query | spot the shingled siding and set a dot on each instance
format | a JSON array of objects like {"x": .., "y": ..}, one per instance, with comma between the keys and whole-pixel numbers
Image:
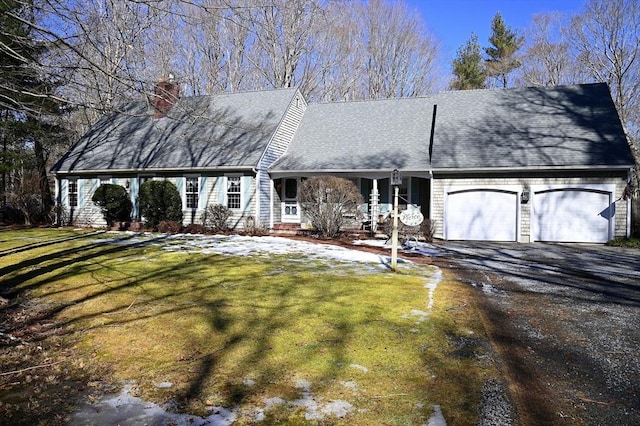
[
  {"x": 441, "y": 185},
  {"x": 215, "y": 193},
  {"x": 87, "y": 213},
  {"x": 277, "y": 147}
]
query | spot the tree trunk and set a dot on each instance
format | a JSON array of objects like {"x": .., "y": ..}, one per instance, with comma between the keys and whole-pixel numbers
[{"x": 45, "y": 188}]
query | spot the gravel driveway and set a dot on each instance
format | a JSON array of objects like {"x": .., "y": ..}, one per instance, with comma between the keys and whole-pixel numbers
[{"x": 565, "y": 322}]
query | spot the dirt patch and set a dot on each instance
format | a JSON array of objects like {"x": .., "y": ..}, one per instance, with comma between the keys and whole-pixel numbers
[{"x": 42, "y": 376}]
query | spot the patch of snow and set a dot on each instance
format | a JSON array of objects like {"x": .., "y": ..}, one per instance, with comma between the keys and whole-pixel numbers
[
  {"x": 350, "y": 385},
  {"x": 272, "y": 402},
  {"x": 437, "y": 419},
  {"x": 122, "y": 408},
  {"x": 359, "y": 367},
  {"x": 338, "y": 408},
  {"x": 164, "y": 385},
  {"x": 431, "y": 285},
  {"x": 304, "y": 385}
]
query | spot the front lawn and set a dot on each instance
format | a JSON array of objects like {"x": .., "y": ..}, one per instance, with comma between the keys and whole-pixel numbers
[{"x": 256, "y": 334}]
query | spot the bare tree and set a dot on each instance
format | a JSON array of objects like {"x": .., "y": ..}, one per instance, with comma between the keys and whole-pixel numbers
[
  {"x": 548, "y": 59},
  {"x": 606, "y": 38},
  {"x": 96, "y": 54},
  {"x": 399, "y": 56},
  {"x": 281, "y": 48},
  {"x": 376, "y": 49}
]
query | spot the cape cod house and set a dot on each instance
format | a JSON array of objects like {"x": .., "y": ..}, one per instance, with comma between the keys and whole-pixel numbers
[{"x": 530, "y": 164}]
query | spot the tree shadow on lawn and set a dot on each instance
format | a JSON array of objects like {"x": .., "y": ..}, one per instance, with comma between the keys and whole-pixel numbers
[
  {"x": 41, "y": 244},
  {"x": 258, "y": 335},
  {"x": 42, "y": 265},
  {"x": 256, "y": 331}
]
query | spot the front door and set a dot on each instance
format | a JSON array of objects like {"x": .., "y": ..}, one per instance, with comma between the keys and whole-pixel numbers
[{"x": 289, "y": 197}]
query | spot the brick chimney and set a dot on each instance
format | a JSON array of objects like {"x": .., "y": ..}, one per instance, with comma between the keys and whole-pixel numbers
[{"x": 165, "y": 95}]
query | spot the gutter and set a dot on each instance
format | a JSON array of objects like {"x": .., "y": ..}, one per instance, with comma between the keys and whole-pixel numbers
[
  {"x": 453, "y": 170},
  {"x": 180, "y": 170},
  {"x": 366, "y": 173}
]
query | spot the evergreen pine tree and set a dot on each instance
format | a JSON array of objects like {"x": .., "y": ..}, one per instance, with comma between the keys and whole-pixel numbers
[
  {"x": 468, "y": 68},
  {"x": 28, "y": 112},
  {"x": 502, "y": 53}
]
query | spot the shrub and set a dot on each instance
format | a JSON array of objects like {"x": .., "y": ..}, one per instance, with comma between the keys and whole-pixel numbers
[
  {"x": 25, "y": 196},
  {"x": 160, "y": 201},
  {"x": 169, "y": 227},
  {"x": 62, "y": 216},
  {"x": 328, "y": 202},
  {"x": 215, "y": 217},
  {"x": 195, "y": 228},
  {"x": 428, "y": 229},
  {"x": 425, "y": 230},
  {"x": 114, "y": 202},
  {"x": 632, "y": 242},
  {"x": 252, "y": 228}
]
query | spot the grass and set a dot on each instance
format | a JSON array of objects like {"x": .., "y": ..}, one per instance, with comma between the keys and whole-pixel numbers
[
  {"x": 632, "y": 242},
  {"x": 236, "y": 331}
]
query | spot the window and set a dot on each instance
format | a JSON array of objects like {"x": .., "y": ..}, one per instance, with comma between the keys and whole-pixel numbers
[
  {"x": 192, "y": 192},
  {"x": 104, "y": 180},
  {"x": 73, "y": 193},
  {"x": 290, "y": 189},
  {"x": 233, "y": 192}
]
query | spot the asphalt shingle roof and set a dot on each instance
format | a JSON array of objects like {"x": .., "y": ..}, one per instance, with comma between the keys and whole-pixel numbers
[
  {"x": 229, "y": 130},
  {"x": 537, "y": 127},
  {"x": 563, "y": 126},
  {"x": 361, "y": 136},
  {"x": 529, "y": 128}
]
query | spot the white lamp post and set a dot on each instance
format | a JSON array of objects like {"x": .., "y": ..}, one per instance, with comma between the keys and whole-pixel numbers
[{"x": 396, "y": 181}]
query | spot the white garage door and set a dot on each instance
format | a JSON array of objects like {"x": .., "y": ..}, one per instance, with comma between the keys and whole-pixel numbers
[
  {"x": 572, "y": 215},
  {"x": 481, "y": 214}
]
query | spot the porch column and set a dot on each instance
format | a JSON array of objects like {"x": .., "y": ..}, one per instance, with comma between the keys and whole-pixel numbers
[
  {"x": 271, "y": 203},
  {"x": 374, "y": 202}
]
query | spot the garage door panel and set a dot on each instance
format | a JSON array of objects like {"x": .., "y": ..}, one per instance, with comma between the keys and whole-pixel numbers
[
  {"x": 572, "y": 215},
  {"x": 483, "y": 215}
]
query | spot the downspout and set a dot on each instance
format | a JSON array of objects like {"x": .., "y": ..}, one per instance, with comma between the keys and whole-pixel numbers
[
  {"x": 58, "y": 206},
  {"x": 629, "y": 206},
  {"x": 431, "y": 138},
  {"x": 257, "y": 195},
  {"x": 433, "y": 130},
  {"x": 271, "y": 220}
]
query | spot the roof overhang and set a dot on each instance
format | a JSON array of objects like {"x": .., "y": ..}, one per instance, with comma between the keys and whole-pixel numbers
[
  {"x": 181, "y": 170},
  {"x": 530, "y": 169},
  {"x": 367, "y": 173}
]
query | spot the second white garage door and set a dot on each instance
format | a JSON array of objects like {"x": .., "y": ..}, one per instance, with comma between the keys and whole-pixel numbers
[
  {"x": 570, "y": 214},
  {"x": 481, "y": 214}
]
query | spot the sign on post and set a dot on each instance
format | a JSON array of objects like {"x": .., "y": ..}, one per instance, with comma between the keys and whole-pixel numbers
[{"x": 411, "y": 217}]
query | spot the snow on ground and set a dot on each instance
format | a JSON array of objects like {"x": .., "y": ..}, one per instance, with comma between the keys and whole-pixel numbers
[{"x": 240, "y": 245}]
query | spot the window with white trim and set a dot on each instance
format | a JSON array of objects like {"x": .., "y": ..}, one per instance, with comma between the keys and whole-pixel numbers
[
  {"x": 72, "y": 190},
  {"x": 233, "y": 192},
  {"x": 191, "y": 191},
  {"x": 104, "y": 180}
]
